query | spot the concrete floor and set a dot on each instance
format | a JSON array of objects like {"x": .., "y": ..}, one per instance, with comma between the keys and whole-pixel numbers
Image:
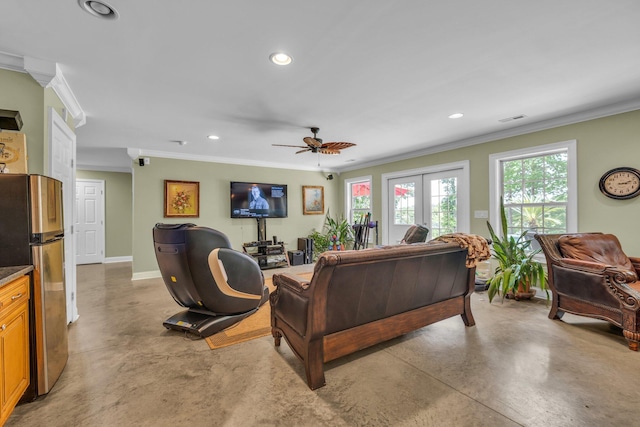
[{"x": 515, "y": 367}]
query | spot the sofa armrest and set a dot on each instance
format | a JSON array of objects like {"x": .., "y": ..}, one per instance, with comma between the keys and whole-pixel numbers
[{"x": 293, "y": 282}]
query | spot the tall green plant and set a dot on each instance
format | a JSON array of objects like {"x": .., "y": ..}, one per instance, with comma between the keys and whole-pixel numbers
[
  {"x": 338, "y": 227},
  {"x": 517, "y": 270}
]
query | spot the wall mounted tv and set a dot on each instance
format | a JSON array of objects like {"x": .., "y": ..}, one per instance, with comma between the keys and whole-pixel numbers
[{"x": 255, "y": 200}]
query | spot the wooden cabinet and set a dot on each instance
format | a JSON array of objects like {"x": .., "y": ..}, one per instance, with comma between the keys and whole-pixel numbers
[{"x": 14, "y": 344}]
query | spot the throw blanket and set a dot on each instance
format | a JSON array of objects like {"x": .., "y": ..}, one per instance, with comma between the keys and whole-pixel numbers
[{"x": 476, "y": 246}]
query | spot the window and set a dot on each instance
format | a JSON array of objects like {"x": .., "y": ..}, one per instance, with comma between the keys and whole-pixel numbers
[
  {"x": 539, "y": 188},
  {"x": 358, "y": 198}
]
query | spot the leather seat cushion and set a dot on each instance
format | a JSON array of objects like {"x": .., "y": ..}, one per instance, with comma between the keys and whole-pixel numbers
[{"x": 601, "y": 248}]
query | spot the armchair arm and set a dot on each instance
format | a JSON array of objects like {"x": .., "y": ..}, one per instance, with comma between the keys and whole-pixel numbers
[
  {"x": 620, "y": 276},
  {"x": 616, "y": 274},
  {"x": 291, "y": 282},
  {"x": 636, "y": 264},
  {"x": 590, "y": 266}
]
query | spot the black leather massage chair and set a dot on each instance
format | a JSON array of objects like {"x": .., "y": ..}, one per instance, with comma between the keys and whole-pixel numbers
[{"x": 218, "y": 285}]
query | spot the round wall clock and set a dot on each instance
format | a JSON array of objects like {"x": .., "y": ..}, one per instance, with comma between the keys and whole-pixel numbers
[{"x": 621, "y": 183}]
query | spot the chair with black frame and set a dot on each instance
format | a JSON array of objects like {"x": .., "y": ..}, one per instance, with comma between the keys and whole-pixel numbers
[{"x": 219, "y": 286}]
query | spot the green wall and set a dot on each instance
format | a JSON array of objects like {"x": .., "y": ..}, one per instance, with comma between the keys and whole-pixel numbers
[
  {"x": 118, "y": 211},
  {"x": 602, "y": 144},
  {"x": 214, "y": 178},
  {"x": 20, "y": 92}
]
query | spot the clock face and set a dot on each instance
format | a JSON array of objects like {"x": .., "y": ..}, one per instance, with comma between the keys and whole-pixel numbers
[{"x": 621, "y": 183}]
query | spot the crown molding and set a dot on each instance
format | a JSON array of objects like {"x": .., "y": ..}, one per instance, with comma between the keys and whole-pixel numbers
[
  {"x": 582, "y": 116},
  {"x": 213, "y": 159},
  {"x": 48, "y": 75},
  {"x": 104, "y": 168}
]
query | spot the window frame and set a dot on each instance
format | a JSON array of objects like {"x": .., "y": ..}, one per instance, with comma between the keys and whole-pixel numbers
[
  {"x": 347, "y": 191},
  {"x": 496, "y": 179}
]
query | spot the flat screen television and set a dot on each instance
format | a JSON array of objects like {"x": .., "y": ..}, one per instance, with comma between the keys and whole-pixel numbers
[{"x": 256, "y": 200}]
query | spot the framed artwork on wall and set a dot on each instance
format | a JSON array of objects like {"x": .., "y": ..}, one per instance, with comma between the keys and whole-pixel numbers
[
  {"x": 312, "y": 200},
  {"x": 181, "y": 199}
]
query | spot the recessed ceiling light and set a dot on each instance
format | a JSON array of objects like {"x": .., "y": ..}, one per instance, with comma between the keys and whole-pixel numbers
[
  {"x": 280, "y": 58},
  {"x": 99, "y": 9},
  {"x": 456, "y": 115},
  {"x": 213, "y": 137}
]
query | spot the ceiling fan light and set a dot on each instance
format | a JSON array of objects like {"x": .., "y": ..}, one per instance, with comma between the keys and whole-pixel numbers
[{"x": 280, "y": 58}]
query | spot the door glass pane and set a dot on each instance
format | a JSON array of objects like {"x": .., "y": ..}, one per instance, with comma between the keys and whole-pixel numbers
[
  {"x": 404, "y": 202},
  {"x": 444, "y": 207}
]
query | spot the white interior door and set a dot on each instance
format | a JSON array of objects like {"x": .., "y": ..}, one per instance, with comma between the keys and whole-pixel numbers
[
  {"x": 62, "y": 154},
  {"x": 89, "y": 228},
  {"x": 437, "y": 198}
]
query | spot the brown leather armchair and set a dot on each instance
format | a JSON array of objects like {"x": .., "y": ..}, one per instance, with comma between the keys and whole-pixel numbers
[{"x": 590, "y": 275}]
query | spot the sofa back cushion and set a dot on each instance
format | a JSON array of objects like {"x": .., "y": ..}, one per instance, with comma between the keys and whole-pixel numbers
[
  {"x": 601, "y": 248},
  {"x": 378, "y": 287}
]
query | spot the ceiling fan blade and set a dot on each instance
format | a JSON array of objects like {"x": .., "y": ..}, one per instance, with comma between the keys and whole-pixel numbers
[
  {"x": 336, "y": 145},
  {"x": 328, "y": 151},
  {"x": 312, "y": 142},
  {"x": 302, "y": 151},
  {"x": 283, "y": 145}
]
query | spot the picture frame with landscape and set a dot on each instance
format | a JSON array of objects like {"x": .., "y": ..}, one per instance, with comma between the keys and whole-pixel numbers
[
  {"x": 181, "y": 199},
  {"x": 312, "y": 200}
]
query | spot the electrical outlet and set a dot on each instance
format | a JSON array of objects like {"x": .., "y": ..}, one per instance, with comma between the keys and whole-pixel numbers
[{"x": 481, "y": 214}]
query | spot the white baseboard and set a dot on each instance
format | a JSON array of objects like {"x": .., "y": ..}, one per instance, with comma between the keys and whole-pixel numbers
[
  {"x": 113, "y": 259},
  {"x": 146, "y": 275}
]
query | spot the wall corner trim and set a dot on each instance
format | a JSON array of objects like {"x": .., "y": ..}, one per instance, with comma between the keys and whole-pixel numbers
[{"x": 47, "y": 74}]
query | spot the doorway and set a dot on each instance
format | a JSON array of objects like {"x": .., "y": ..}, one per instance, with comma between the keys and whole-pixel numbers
[
  {"x": 90, "y": 227},
  {"x": 62, "y": 161},
  {"x": 436, "y": 197}
]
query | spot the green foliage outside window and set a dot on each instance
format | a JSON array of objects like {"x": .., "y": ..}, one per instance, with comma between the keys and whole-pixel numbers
[{"x": 535, "y": 194}]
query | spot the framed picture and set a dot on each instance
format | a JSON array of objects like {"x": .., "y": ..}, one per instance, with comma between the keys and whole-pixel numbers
[
  {"x": 312, "y": 200},
  {"x": 181, "y": 199}
]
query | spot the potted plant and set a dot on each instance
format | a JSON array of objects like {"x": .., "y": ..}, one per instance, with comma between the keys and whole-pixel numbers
[
  {"x": 335, "y": 235},
  {"x": 339, "y": 232},
  {"x": 517, "y": 271}
]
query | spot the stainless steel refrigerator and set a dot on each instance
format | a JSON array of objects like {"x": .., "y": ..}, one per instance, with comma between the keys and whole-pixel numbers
[{"x": 32, "y": 233}]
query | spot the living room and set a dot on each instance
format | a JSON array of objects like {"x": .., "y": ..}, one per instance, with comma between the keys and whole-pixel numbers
[{"x": 414, "y": 379}]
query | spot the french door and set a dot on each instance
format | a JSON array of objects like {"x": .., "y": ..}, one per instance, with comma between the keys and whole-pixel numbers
[{"x": 438, "y": 200}]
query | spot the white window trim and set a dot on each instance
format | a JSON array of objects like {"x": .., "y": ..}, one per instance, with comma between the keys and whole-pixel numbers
[
  {"x": 347, "y": 192},
  {"x": 572, "y": 179},
  {"x": 464, "y": 225}
]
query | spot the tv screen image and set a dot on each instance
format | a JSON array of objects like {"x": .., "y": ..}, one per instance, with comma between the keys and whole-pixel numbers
[{"x": 258, "y": 200}]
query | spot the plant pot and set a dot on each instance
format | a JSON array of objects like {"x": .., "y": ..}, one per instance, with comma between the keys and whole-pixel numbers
[{"x": 524, "y": 292}]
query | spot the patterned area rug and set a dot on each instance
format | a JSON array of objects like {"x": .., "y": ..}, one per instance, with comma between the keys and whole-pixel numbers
[{"x": 255, "y": 326}]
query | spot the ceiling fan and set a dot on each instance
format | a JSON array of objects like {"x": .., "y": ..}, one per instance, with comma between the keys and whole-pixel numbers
[{"x": 315, "y": 145}]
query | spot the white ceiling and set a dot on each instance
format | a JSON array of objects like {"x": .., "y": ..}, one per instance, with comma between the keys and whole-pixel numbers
[{"x": 382, "y": 74}]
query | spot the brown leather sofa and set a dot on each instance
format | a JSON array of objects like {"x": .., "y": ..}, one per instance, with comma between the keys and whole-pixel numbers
[
  {"x": 590, "y": 275},
  {"x": 356, "y": 299}
]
